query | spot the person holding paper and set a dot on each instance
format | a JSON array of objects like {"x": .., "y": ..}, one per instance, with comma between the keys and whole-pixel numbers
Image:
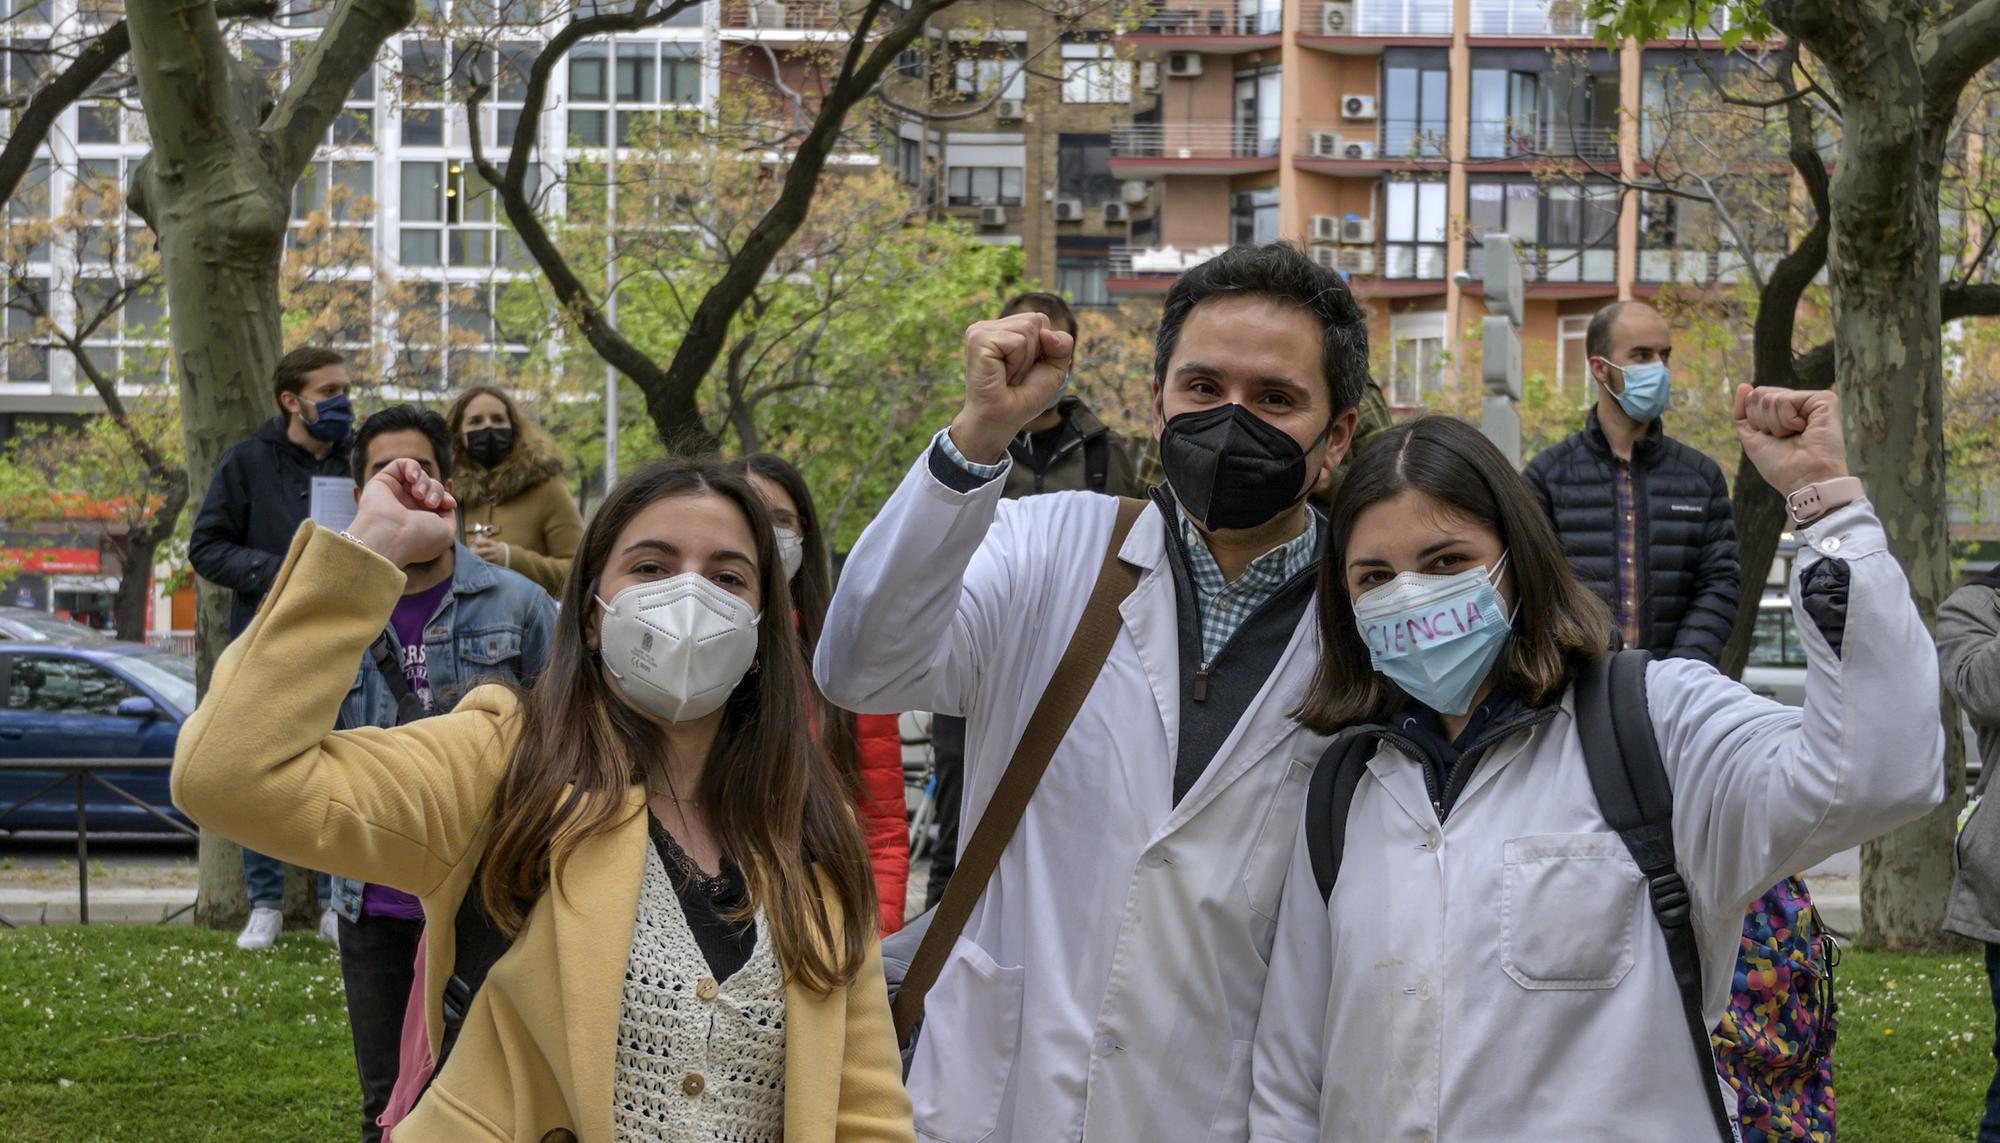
[{"x": 261, "y": 492}]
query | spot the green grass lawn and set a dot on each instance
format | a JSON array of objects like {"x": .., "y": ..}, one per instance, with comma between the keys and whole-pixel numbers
[{"x": 167, "y": 1034}]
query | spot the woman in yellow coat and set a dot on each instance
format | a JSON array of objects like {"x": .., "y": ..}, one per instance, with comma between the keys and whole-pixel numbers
[
  {"x": 649, "y": 822},
  {"x": 514, "y": 506}
]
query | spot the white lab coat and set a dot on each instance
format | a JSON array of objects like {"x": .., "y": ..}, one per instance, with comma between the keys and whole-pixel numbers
[
  {"x": 1108, "y": 983},
  {"x": 1501, "y": 977}
]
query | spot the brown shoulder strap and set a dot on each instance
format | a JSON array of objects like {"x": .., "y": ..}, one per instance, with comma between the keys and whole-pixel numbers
[{"x": 1088, "y": 647}]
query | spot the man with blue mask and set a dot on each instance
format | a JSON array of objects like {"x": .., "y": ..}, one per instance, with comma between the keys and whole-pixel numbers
[
  {"x": 1645, "y": 520},
  {"x": 261, "y": 492}
]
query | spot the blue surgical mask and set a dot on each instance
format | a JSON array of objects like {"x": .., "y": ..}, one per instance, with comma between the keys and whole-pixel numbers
[
  {"x": 1435, "y": 636},
  {"x": 1647, "y": 390},
  {"x": 332, "y": 420}
]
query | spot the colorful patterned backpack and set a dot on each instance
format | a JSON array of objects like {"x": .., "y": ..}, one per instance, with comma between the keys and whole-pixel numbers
[{"x": 1775, "y": 1042}]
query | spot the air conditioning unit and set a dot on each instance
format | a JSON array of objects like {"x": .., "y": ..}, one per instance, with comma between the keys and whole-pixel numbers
[
  {"x": 1336, "y": 19},
  {"x": 1010, "y": 110},
  {"x": 992, "y": 216},
  {"x": 1326, "y": 256},
  {"x": 1357, "y": 107},
  {"x": 1117, "y": 212},
  {"x": 1357, "y": 260},
  {"x": 1363, "y": 149},
  {"x": 1069, "y": 210},
  {"x": 1135, "y": 191},
  {"x": 1183, "y": 65},
  {"x": 1357, "y": 232},
  {"x": 1149, "y": 76},
  {"x": 1325, "y": 228},
  {"x": 1326, "y": 144}
]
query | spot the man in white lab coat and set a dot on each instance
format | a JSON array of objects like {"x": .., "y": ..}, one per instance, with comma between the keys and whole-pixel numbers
[{"x": 1108, "y": 982}]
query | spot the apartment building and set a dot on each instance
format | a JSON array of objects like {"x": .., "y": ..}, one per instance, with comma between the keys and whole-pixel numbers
[{"x": 1391, "y": 136}]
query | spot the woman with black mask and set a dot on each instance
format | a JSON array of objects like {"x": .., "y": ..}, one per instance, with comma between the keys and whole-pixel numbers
[{"x": 515, "y": 510}]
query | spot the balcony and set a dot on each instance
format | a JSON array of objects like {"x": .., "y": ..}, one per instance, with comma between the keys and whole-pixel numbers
[
  {"x": 1135, "y": 271},
  {"x": 1699, "y": 267},
  {"x": 1248, "y": 27},
  {"x": 1400, "y": 18},
  {"x": 1531, "y": 19},
  {"x": 1352, "y": 147},
  {"x": 1156, "y": 150},
  {"x": 1504, "y": 140},
  {"x": 788, "y": 21}
]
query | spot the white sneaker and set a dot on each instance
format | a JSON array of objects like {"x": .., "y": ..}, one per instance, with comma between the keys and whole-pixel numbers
[
  {"x": 262, "y": 931},
  {"x": 329, "y": 928}
]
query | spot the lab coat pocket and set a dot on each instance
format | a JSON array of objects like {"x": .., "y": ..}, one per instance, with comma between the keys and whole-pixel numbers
[
  {"x": 972, "y": 1026},
  {"x": 1271, "y": 853},
  {"x": 1230, "y": 1121},
  {"x": 1566, "y": 911}
]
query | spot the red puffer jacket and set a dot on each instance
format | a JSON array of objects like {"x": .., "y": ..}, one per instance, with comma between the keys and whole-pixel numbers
[{"x": 879, "y": 751}]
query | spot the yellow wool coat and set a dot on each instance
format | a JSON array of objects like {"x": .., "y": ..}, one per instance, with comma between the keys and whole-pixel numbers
[{"x": 409, "y": 808}]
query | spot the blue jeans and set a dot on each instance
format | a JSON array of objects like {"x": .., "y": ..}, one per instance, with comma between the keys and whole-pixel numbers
[
  {"x": 1989, "y": 1127},
  {"x": 264, "y": 882}
]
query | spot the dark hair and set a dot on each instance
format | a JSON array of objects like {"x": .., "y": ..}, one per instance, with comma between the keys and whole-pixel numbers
[
  {"x": 1040, "y": 303},
  {"x": 402, "y": 418},
  {"x": 294, "y": 367},
  {"x": 1282, "y": 272},
  {"x": 1597, "y": 336},
  {"x": 1560, "y": 627},
  {"x": 776, "y": 809},
  {"x": 812, "y": 592},
  {"x": 527, "y": 435}
]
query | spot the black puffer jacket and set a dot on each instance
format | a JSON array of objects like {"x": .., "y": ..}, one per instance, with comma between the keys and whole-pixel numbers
[
  {"x": 1687, "y": 539},
  {"x": 261, "y": 492}
]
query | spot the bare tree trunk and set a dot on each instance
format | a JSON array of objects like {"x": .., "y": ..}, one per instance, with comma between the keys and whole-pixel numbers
[
  {"x": 217, "y": 192},
  {"x": 135, "y": 587}
]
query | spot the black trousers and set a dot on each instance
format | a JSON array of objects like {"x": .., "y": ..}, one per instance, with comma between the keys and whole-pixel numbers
[
  {"x": 378, "y": 966},
  {"x": 948, "y": 765}
]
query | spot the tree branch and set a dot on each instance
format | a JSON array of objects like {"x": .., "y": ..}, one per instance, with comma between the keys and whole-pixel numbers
[
  {"x": 1963, "y": 44},
  {"x": 346, "y": 48},
  {"x": 184, "y": 68}
]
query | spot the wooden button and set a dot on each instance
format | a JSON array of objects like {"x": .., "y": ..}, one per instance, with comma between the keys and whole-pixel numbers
[
  {"x": 707, "y": 989},
  {"x": 560, "y": 1135},
  {"x": 692, "y": 1085}
]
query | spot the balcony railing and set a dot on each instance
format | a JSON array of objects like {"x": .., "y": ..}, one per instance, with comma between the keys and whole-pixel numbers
[
  {"x": 1402, "y": 17},
  {"x": 1540, "y": 18},
  {"x": 1699, "y": 267},
  {"x": 1514, "y": 139},
  {"x": 1192, "y": 141},
  {"x": 1389, "y": 140},
  {"x": 1554, "y": 263},
  {"x": 1248, "y": 19},
  {"x": 790, "y": 15},
  {"x": 1157, "y": 261}
]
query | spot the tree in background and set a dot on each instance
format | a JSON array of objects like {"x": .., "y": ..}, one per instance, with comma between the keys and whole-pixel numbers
[{"x": 1897, "y": 74}]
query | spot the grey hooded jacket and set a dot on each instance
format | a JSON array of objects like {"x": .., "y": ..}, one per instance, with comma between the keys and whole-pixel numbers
[{"x": 1968, "y": 636}]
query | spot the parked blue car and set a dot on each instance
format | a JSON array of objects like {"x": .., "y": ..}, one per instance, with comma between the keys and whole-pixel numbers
[{"x": 89, "y": 699}]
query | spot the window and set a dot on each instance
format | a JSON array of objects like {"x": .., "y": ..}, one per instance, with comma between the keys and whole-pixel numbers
[
  {"x": 978, "y": 73},
  {"x": 1526, "y": 101},
  {"x": 1416, "y": 89},
  {"x": 628, "y": 85},
  {"x": 1572, "y": 361},
  {"x": 1093, "y": 73},
  {"x": 25, "y": 359},
  {"x": 1404, "y": 18},
  {"x": 101, "y": 185},
  {"x": 1505, "y": 106},
  {"x": 1083, "y": 169},
  {"x": 1258, "y": 104},
  {"x": 423, "y": 93},
  {"x": 47, "y": 685},
  {"x": 97, "y": 122},
  {"x": 28, "y": 209},
  {"x": 1414, "y": 229},
  {"x": 1566, "y": 233},
  {"x": 1082, "y": 280},
  {"x": 1774, "y": 642},
  {"x": 452, "y": 217},
  {"x": 1416, "y": 357},
  {"x": 984, "y": 186},
  {"x": 1253, "y": 217}
]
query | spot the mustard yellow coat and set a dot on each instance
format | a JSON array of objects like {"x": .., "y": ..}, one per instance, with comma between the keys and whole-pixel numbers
[{"x": 409, "y": 808}]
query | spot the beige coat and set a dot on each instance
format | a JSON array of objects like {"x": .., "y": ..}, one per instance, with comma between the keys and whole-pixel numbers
[{"x": 409, "y": 808}]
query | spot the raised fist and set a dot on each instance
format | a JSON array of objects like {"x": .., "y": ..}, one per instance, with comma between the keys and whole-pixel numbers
[
  {"x": 1793, "y": 436},
  {"x": 1014, "y": 370},
  {"x": 405, "y": 515}
]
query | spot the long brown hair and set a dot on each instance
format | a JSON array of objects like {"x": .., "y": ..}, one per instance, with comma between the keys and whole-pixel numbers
[
  {"x": 1559, "y": 627},
  {"x": 775, "y": 807},
  {"x": 812, "y": 593},
  {"x": 527, "y": 434}
]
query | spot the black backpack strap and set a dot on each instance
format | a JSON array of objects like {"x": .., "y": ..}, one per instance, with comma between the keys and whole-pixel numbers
[
  {"x": 478, "y": 944},
  {"x": 1097, "y": 461},
  {"x": 1327, "y": 800},
  {"x": 1633, "y": 793},
  {"x": 382, "y": 652}
]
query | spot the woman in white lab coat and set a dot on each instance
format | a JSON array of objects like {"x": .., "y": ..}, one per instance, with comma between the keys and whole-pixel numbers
[{"x": 1487, "y": 965}]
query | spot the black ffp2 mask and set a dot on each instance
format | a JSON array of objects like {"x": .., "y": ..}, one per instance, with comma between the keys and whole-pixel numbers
[
  {"x": 1230, "y": 469},
  {"x": 489, "y": 446}
]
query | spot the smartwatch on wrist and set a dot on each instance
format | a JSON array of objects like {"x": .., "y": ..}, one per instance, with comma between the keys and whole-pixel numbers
[{"x": 1816, "y": 500}]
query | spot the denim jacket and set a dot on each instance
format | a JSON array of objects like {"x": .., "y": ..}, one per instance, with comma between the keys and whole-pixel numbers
[{"x": 494, "y": 625}]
